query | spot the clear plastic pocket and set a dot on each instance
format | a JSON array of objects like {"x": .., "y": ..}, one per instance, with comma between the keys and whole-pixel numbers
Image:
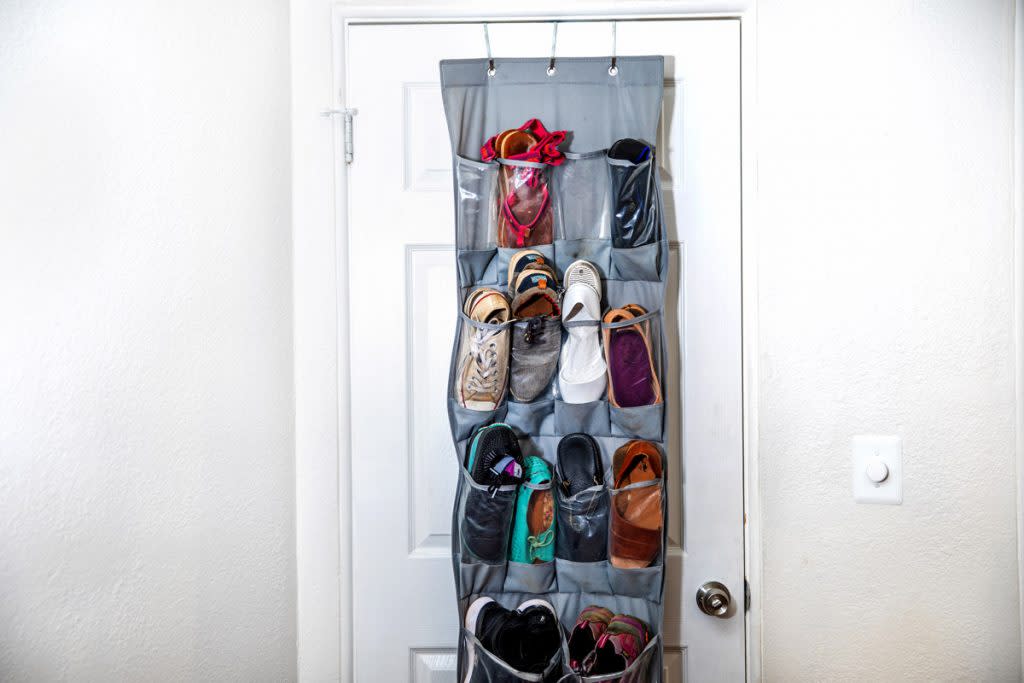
[
  {"x": 536, "y": 343},
  {"x": 635, "y": 220},
  {"x": 523, "y": 207},
  {"x": 632, "y": 343},
  {"x": 475, "y": 208},
  {"x": 583, "y": 204},
  {"x": 476, "y": 578},
  {"x": 636, "y": 539},
  {"x": 644, "y": 670},
  {"x": 477, "y": 267},
  {"x": 589, "y": 418},
  {"x": 485, "y": 521},
  {"x": 480, "y": 374},
  {"x": 482, "y": 666},
  {"x": 582, "y": 525}
]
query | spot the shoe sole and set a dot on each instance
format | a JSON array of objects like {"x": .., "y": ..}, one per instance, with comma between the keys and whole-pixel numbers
[
  {"x": 568, "y": 281},
  {"x": 472, "y": 614}
]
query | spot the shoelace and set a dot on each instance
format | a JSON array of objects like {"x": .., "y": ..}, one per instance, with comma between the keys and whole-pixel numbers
[
  {"x": 541, "y": 540},
  {"x": 534, "y": 330},
  {"x": 483, "y": 350}
]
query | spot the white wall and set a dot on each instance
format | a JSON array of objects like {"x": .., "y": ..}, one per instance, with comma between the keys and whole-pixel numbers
[
  {"x": 886, "y": 306},
  {"x": 146, "y": 412}
]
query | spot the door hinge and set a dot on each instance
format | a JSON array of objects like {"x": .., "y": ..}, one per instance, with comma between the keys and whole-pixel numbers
[
  {"x": 746, "y": 595},
  {"x": 346, "y": 118}
]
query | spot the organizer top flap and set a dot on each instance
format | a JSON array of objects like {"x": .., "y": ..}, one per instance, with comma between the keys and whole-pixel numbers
[{"x": 580, "y": 97}]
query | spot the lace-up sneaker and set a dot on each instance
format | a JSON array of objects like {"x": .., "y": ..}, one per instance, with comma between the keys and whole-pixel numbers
[
  {"x": 483, "y": 351},
  {"x": 533, "y": 531},
  {"x": 526, "y": 638},
  {"x": 582, "y": 369},
  {"x": 535, "y": 345},
  {"x": 493, "y": 459}
]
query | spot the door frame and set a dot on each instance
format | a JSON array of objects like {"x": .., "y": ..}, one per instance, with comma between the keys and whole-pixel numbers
[{"x": 320, "y": 298}]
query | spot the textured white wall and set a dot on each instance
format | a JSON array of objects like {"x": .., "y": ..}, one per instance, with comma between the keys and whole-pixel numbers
[
  {"x": 886, "y": 306},
  {"x": 146, "y": 418}
]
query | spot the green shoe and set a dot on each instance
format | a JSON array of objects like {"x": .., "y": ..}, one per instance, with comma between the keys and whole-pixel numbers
[{"x": 533, "y": 531}]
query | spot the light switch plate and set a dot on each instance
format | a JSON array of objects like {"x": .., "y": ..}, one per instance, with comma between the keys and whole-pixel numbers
[{"x": 868, "y": 449}]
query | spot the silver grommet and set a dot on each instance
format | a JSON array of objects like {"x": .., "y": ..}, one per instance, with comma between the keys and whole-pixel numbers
[
  {"x": 551, "y": 70},
  {"x": 613, "y": 70},
  {"x": 490, "y": 68}
]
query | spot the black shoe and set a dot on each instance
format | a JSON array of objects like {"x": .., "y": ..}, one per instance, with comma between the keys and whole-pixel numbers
[
  {"x": 493, "y": 459},
  {"x": 635, "y": 222},
  {"x": 527, "y": 638},
  {"x": 582, "y": 525}
]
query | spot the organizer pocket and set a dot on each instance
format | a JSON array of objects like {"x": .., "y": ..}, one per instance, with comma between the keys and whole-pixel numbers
[
  {"x": 479, "y": 378},
  {"x": 582, "y": 525},
  {"x": 476, "y": 578},
  {"x": 530, "y": 418},
  {"x": 485, "y": 521},
  {"x": 534, "y": 357},
  {"x": 643, "y": 670},
  {"x": 477, "y": 267},
  {"x": 582, "y": 193},
  {"x": 641, "y": 422},
  {"x": 637, "y": 583},
  {"x": 475, "y": 204},
  {"x": 597, "y": 251},
  {"x": 481, "y": 666},
  {"x": 589, "y": 418},
  {"x": 506, "y": 254},
  {"x": 530, "y": 578},
  {"x": 635, "y": 220},
  {"x": 636, "y": 534},
  {"x": 633, "y": 351},
  {"x": 465, "y": 421},
  {"x": 582, "y": 577},
  {"x": 524, "y": 215},
  {"x": 638, "y": 263}
]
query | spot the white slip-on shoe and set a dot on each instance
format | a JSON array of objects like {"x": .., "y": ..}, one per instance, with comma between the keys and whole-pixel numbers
[{"x": 582, "y": 372}]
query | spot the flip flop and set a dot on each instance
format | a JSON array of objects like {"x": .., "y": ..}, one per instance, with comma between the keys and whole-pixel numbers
[
  {"x": 637, "y": 517},
  {"x": 632, "y": 379}
]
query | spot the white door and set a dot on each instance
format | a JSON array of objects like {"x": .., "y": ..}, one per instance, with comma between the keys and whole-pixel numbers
[{"x": 401, "y": 274}]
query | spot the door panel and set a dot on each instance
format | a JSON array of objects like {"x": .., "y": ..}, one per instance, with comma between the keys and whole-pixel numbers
[{"x": 403, "y": 310}]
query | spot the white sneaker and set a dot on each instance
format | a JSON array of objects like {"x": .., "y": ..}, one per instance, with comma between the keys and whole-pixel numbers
[{"x": 582, "y": 372}]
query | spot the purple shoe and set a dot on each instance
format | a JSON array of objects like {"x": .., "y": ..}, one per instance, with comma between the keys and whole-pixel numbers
[{"x": 632, "y": 380}]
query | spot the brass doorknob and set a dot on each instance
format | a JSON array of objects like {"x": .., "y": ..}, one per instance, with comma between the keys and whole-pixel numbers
[{"x": 713, "y": 598}]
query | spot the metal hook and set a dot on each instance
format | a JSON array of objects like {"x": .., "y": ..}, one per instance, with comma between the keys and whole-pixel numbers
[
  {"x": 613, "y": 70},
  {"x": 554, "y": 42},
  {"x": 490, "y": 60}
]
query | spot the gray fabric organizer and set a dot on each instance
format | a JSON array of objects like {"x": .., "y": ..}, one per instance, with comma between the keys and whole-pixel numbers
[{"x": 596, "y": 108}]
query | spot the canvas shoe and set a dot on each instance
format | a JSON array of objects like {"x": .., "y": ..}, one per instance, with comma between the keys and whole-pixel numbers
[
  {"x": 493, "y": 459},
  {"x": 618, "y": 647},
  {"x": 590, "y": 626},
  {"x": 535, "y": 345},
  {"x": 482, "y": 376},
  {"x": 526, "y": 638},
  {"x": 533, "y": 531},
  {"x": 582, "y": 368}
]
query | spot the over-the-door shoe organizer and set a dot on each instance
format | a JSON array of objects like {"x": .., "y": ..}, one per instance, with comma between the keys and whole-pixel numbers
[{"x": 595, "y": 108}]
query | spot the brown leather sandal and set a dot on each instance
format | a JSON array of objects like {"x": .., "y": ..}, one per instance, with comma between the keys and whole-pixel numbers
[{"x": 636, "y": 514}]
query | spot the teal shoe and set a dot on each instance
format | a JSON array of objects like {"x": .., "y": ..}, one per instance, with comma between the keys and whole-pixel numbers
[{"x": 533, "y": 531}]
